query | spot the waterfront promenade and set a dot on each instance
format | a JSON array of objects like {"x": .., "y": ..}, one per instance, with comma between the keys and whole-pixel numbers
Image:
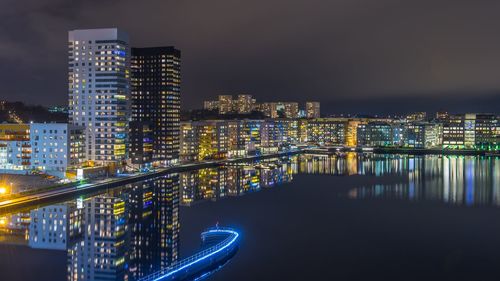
[{"x": 219, "y": 245}]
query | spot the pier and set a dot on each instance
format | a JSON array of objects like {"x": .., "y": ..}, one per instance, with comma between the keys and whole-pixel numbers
[{"x": 220, "y": 244}]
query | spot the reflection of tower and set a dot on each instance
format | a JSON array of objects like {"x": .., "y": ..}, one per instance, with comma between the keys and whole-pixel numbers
[
  {"x": 154, "y": 225},
  {"x": 100, "y": 255},
  {"x": 189, "y": 182},
  {"x": 140, "y": 221},
  {"x": 166, "y": 219}
]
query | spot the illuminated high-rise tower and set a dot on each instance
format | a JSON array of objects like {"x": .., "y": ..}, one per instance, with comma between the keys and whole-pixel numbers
[
  {"x": 99, "y": 91},
  {"x": 156, "y": 80}
]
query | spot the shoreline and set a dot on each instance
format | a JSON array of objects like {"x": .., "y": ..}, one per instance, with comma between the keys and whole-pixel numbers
[{"x": 65, "y": 191}]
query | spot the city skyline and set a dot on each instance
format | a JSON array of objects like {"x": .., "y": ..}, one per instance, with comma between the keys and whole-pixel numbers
[{"x": 362, "y": 64}]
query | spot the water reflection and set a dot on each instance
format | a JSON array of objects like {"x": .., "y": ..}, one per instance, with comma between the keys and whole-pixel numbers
[
  {"x": 460, "y": 180},
  {"x": 133, "y": 231}
]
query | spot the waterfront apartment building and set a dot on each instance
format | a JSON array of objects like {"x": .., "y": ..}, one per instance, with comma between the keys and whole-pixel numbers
[
  {"x": 99, "y": 91},
  {"x": 156, "y": 82},
  {"x": 52, "y": 148},
  {"x": 313, "y": 109},
  {"x": 481, "y": 131},
  {"x": 327, "y": 131},
  {"x": 15, "y": 148},
  {"x": 141, "y": 142},
  {"x": 375, "y": 134},
  {"x": 422, "y": 135},
  {"x": 56, "y": 147},
  {"x": 453, "y": 132}
]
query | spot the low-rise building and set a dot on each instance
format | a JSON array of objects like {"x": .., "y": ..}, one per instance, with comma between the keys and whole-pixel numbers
[
  {"x": 15, "y": 148},
  {"x": 56, "y": 147},
  {"x": 327, "y": 131},
  {"x": 375, "y": 134}
]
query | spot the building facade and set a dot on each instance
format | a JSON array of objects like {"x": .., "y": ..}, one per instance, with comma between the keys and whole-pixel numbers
[
  {"x": 99, "y": 91},
  {"x": 313, "y": 109},
  {"x": 56, "y": 147},
  {"x": 156, "y": 82},
  {"x": 15, "y": 147}
]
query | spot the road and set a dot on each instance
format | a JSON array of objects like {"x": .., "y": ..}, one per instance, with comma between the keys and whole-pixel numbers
[{"x": 11, "y": 204}]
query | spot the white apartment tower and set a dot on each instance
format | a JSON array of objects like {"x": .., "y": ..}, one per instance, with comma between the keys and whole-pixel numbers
[{"x": 99, "y": 91}]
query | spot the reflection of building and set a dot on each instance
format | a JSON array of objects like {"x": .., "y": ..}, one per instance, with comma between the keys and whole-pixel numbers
[
  {"x": 100, "y": 254},
  {"x": 216, "y": 183},
  {"x": 55, "y": 226},
  {"x": 14, "y": 228},
  {"x": 312, "y": 109},
  {"x": 153, "y": 225},
  {"x": 156, "y": 81},
  {"x": 99, "y": 94}
]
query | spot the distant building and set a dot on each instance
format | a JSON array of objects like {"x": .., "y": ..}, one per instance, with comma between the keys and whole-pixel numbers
[
  {"x": 288, "y": 109},
  {"x": 269, "y": 109},
  {"x": 422, "y": 135},
  {"x": 99, "y": 92},
  {"x": 156, "y": 80},
  {"x": 225, "y": 104},
  {"x": 442, "y": 115},
  {"x": 211, "y": 105},
  {"x": 58, "y": 109},
  {"x": 313, "y": 110},
  {"x": 481, "y": 131},
  {"x": 416, "y": 116},
  {"x": 245, "y": 104},
  {"x": 327, "y": 131},
  {"x": 453, "y": 132},
  {"x": 375, "y": 134}
]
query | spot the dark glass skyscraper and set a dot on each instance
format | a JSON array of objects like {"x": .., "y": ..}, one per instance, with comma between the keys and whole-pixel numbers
[{"x": 156, "y": 79}]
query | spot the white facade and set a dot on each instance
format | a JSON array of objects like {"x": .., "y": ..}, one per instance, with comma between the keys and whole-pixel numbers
[
  {"x": 55, "y": 147},
  {"x": 99, "y": 93}
]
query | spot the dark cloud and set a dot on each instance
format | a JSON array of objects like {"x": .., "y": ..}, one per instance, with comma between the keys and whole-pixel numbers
[{"x": 336, "y": 50}]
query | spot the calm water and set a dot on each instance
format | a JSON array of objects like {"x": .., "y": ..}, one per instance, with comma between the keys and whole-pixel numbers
[{"x": 349, "y": 217}]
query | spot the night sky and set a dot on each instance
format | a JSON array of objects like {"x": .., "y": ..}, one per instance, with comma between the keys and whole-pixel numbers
[{"x": 383, "y": 56}]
